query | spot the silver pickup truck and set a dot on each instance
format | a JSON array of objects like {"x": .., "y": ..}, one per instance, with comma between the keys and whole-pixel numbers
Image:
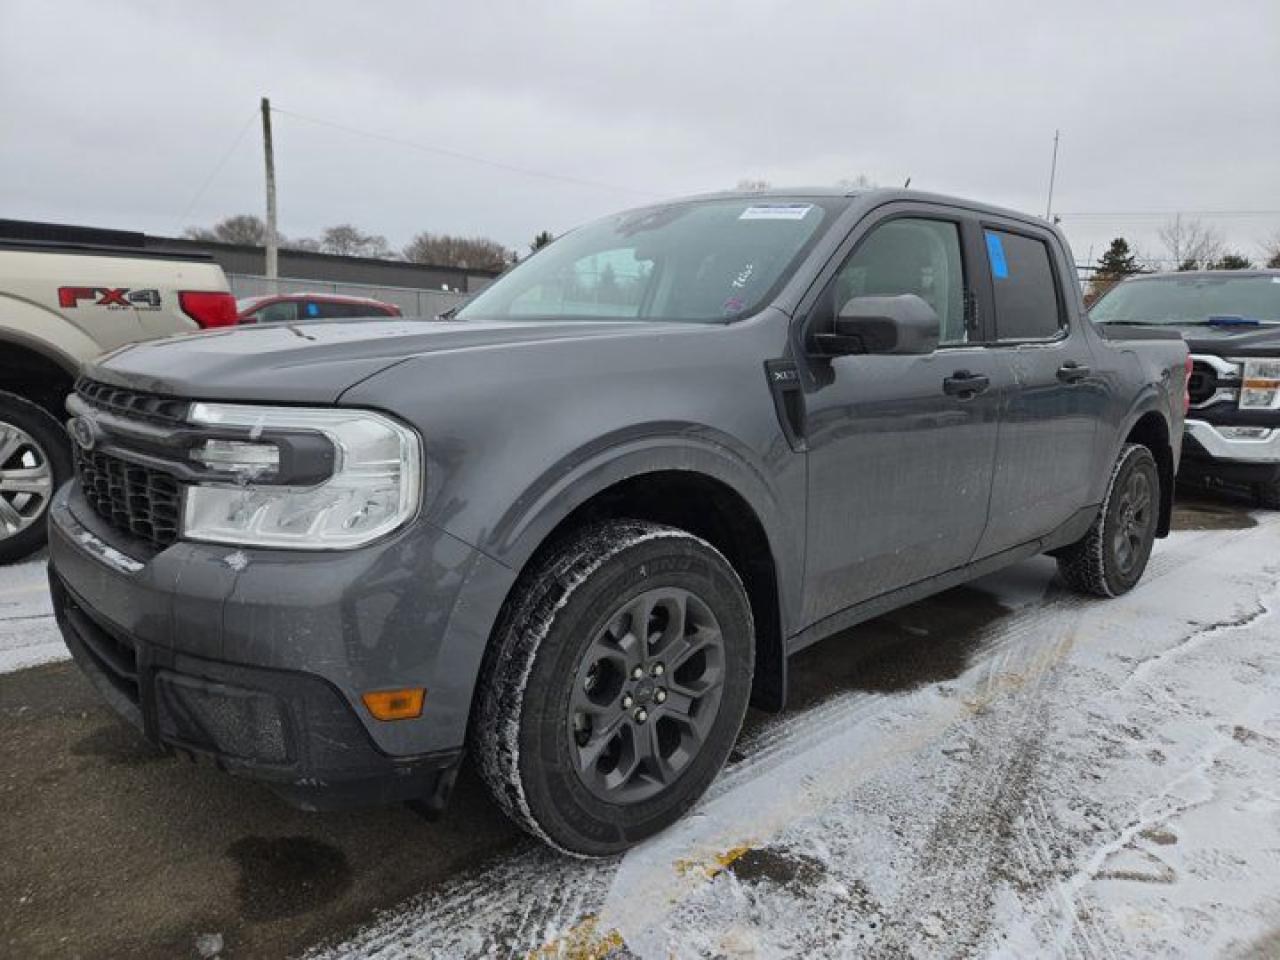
[{"x": 62, "y": 304}]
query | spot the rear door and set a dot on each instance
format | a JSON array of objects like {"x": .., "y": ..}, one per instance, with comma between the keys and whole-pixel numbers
[
  {"x": 1045, "y": 463},
  {"x": 901, "y": 448}
]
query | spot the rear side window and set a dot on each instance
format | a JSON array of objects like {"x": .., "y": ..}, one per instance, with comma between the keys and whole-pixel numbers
[
  {"x": 332, "y": 309},
  {"x": 1026, "y": 293}
]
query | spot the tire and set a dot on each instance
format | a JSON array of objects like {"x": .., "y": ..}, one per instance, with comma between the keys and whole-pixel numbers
[
  {"x": 576, "y": 748},
  {"x": 1267, "y": 494},
  {"x": 35, "y": 459},
  {"x": 1110, "y": 559}
]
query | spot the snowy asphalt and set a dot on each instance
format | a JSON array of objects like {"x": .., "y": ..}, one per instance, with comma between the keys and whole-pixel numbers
[{"x": 1002, "y": 770}]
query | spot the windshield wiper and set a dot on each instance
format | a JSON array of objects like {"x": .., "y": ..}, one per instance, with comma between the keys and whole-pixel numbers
[{"x": 1230, "y": 320}]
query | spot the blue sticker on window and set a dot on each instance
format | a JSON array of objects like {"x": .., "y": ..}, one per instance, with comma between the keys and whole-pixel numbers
[
  {"x": 995, "y": 253},
  {"x": 313, "y": 310}
]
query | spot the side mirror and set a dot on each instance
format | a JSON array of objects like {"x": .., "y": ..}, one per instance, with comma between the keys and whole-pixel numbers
[{"x": 897, "y": 325}]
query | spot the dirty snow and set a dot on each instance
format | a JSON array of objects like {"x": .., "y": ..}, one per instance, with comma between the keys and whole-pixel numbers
[
  {"x": 1102, "y": 780},
  {"x": 28, "y": 633}
]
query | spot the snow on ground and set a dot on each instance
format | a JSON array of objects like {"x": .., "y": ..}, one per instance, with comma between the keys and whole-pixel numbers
[
  {"x": 28, "y": 634},
  {"x": 1103, "y": 779}
]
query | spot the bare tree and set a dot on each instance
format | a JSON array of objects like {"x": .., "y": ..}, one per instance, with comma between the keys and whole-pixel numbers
[
  {"x": 445, "y": 250},
  {"x": 1191, "y": 244},
  {"x": 859, "y": 182},
  {"x": 347, "y": 240},
  {"x": 243, "y": 228},
  {"x": 751, "y": 185}
]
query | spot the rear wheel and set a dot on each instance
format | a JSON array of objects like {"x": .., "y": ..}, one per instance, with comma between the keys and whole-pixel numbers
[
  {"x": 34, "y": 461},
  {"x": 1109, "y": 559},
  {"x": 616, "y": 686}
]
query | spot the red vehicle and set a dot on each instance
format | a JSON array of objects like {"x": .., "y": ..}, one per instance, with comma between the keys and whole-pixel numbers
[{"x": 294, "y": 307}]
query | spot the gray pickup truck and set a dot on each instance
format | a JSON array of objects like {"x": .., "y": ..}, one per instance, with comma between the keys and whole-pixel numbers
[
  {"x": 576, "y": 527},
  {"x": 1231, "y": 322}
]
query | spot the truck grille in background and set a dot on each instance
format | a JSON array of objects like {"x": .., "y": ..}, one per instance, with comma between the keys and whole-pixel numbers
[
  {"x": 138, "y": 500},
  {"x": 131, "y": 403},
  {"x": 1203, "y": 383}
]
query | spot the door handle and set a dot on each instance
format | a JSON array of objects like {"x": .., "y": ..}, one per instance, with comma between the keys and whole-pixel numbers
[
  {"x": 964, "y": 384},
  {"x": 1072, "y": 372}
]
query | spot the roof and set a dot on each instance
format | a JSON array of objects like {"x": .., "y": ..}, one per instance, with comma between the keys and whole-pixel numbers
[
  {"x": 312, "y": 295},
  {"x": 872, "y": 197}
]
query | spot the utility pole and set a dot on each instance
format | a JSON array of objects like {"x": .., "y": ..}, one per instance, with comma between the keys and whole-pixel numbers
[
  {"x": 273, "y": 238},
  {"x": 1053, "y": 172}
]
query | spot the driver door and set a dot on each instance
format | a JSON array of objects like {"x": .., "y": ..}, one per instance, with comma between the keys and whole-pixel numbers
[{"x": 901, "y": 448}]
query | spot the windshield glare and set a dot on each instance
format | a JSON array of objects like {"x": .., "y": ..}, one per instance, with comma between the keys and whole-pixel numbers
[
  {"x": 701, "y": 262},
  {"x": 1191, "y": 300}
]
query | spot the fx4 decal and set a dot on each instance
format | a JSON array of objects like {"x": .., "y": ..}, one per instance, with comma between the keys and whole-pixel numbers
[{"x": 119, "y": 298}]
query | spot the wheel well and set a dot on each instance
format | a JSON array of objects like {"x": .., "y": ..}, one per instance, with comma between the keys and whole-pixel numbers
[
  {"x": 714, "y": 511},
  {"x": 35, "y": 377},
  {"x": 1152, "y": 432}
]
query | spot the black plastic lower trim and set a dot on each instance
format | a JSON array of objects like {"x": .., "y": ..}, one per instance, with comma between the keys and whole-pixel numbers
[{"x": 293, "y": 731}]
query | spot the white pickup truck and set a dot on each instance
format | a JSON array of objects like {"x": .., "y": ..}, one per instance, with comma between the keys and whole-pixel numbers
[{"x": 61, "y": 304}]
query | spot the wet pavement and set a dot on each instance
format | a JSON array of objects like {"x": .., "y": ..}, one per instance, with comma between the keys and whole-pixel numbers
[{"x": 113, "y": 850}]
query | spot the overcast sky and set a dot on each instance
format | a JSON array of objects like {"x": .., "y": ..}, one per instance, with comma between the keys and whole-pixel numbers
[{"x": 116, "y": 114}]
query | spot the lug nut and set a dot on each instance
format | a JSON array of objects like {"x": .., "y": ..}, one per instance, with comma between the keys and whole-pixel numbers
[
  {"x": 659, "y": 669},
  {"x": 627, "y": 701},
  {"x": 660, "y": 696},
  {"x": 641, "y": 715},
  {"x": 637, "y": 673}
]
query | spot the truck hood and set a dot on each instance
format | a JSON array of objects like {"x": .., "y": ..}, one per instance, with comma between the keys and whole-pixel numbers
[
  {"x": 1242, "y": 341},
  {"x": 317, "y": 362}
]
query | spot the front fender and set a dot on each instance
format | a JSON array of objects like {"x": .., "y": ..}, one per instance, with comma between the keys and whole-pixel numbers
[{"x": 558, "y": 492}]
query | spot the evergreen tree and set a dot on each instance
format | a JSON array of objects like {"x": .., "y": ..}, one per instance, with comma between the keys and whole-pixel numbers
[
  {"x": 1232, "y": 261},
  {"x": 1117, "y": 263},
  {"x": 1113, "y": 266}
]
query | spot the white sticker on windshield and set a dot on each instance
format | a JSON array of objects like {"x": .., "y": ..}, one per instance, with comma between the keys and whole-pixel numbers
[{"x": 777, "y": 211}]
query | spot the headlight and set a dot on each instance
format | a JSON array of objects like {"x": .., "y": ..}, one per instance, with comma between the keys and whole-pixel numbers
[
  {"x": 372, "y": 489},
  {"x": 1261, "y": 387}
]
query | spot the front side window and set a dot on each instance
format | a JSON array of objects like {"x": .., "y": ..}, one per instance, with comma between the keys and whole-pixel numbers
[
  {"x": 282, "y": 311},
  {"x": 908, "y": 255},
  {"x": 1026, "y": 293},
  {"x": 702, "y": 262}
]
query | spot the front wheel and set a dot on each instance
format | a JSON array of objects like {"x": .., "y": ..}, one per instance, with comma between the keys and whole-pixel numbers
[
  {"x": 34, "y": 460},
  {"x": 616, "y": 686},
  {"x": 1109, "y": 559}
]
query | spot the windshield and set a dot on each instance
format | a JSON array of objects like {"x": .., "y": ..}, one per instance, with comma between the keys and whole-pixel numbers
[
  {"x": 1191, "y": 300},
  {"x": 701, "y": 262}
]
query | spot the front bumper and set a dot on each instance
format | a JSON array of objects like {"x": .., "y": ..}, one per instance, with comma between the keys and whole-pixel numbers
[
  {"x": 1208, "y": 455},
  {"x": 1212, "y": 443},
  {"x": 257, "y": 658}
]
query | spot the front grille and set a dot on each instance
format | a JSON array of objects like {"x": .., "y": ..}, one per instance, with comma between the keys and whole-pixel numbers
[
  {"x": 139, "y": 500},
  {"x": 1203, "y": 382},
  {"x": 132, "y": 403}
]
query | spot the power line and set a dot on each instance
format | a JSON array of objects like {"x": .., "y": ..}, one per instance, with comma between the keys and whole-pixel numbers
[
  {"x": 456, "y": 155},
  {"x": 217, "y": 167}
]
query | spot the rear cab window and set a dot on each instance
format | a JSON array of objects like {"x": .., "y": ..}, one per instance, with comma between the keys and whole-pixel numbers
[{"x": 1025, "y": 287}]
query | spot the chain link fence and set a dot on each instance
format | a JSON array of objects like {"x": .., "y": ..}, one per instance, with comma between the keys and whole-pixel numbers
[{"x": 412, "y": 301}]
